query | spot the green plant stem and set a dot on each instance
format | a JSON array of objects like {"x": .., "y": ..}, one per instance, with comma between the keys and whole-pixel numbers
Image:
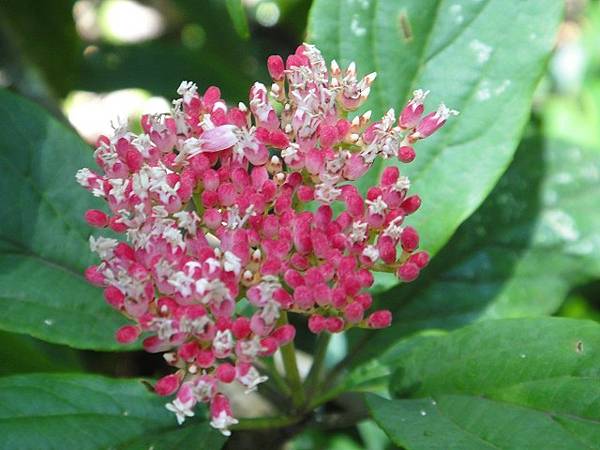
[
  {"x": 274, "y": 374},
  {"x": 317, "y": 366},
  {"x": 261, "y": 423},
  {"x": 288, "y": 354}
]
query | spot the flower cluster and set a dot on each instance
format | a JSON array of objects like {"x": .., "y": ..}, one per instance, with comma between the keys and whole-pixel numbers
[{"x": 220, "y": 203}]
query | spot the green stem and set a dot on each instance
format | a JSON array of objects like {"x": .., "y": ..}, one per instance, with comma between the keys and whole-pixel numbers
[
  {"x": 317, "y": 366},
  {"x": 288, "y": 354},
  {"x": 274, "y": 374},
  {"x": 261, "y": 423}
]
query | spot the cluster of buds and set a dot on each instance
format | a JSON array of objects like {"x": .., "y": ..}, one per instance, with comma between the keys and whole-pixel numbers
[{"x": 218, "y": 203}]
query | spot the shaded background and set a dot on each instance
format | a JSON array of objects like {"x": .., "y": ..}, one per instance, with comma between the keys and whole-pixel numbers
[{"x": 91, "y": 61}]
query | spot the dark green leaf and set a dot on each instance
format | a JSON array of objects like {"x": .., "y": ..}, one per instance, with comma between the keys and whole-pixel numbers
[
  {"x": 44, "y": 34},
  {"x": 532, "y": 240},
  {"x": 509, "y": 384},
  {"x": 23, "y": 354},
  {"x": 80, "y": 412},
  {"x": 43, "y": 238},
  {"x": 483, "y": 58},
  {"x": 193, "y": 437}
]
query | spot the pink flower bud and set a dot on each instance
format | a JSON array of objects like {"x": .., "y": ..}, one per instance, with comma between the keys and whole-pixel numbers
[
  {"x": 328, "y": 135},
  {"x": 153, "y": 344},
  {"x": 127, "y": 334},
  {"x": 276, "y": 67},
  {"x": 334, "y": 324},
  {"x": 167, "y": 385},
  {"x": 434, "y": 121},
  {"x": 94, "y": 276},
  {"x": 116, "y": 224},
  {"x": 241, "y": 328},
  {"x": 387, "y": 249},
  {"x": 421, "y": 259},
  {"x": 411, "y": 204},
  {"x": 258, "y": 325},
  {"x": 408, "y": 272},
  {"x": 304, "y": 297},
  {"x": 188, "y": 351},
  {"x": 355, "y": 167},
  {"x": 225, "y": 373},
  {"x": 96, "y": 218},
  {"x": 279, "y": 139},
  {"x": 205, "y": 358},
  {"x": 354, "y": 312},
  {"x": 268, "y": 346},
  {"x": 365, "y": 300},
  {"x": 293, "y": 278},
  {"x": 305, "y": 193},
  {"x": 114, "y": 297},
  {"x": 220, "y": 404},
  {"x": 380, "y": 319},
  {"x": 210, "y": 179},
  {"x": 409, "y": 239},
  {"x": 389, "y": 176},
  {"x": 317, "y": 323},
  {"x": 284, "y": 334},
  {"x": 227, "y": 194},
  {"x": 406, "y": 154}
]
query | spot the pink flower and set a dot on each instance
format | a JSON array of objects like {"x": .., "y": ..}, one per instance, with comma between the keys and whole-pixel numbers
[{"x": 210, "y": 217}]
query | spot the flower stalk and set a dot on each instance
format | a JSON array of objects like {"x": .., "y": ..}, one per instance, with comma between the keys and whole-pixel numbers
[{"x": 288, "y": 355}]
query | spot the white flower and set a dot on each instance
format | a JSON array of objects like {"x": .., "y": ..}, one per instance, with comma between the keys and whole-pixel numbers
[
  {"x": 223, "y": 343},
  {"x": 403, "y": 184},
  {"x": 232, "y": 263},
  {"x": 377, "y": 206},
  {"x": 359, "y": 232},
  {"x": 187, "y": 89},
  {"x": 181, "y": 410},
  {"x": 222, "y": 422},
  {"x": 394, "y": 230},
  {"x": 371, "y": 252},
  {"x": 252, "y": 379},
  {"x": 104, "y": 247}
]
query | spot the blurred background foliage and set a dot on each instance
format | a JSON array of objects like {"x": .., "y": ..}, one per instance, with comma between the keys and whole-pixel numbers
[{"x": 91, "y": 61}]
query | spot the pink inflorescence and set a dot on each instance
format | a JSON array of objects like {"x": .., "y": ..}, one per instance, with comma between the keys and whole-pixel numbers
[{"x": 216, "y": 204}]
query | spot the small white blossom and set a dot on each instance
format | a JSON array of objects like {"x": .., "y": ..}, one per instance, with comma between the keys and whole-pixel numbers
[
  {"x": 377, "y": 206},
  {"x": 181, "y": 410}
]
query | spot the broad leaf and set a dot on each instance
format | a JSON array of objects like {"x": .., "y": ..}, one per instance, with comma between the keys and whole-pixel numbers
[
  {"x": 194, "y": 437},
  {"x": 42, "y": 33},
  {"x": 43, "y": 238},
  {"x": 483, "y": 58},
  {"x": 510, "y": 384},
  {"x": 81, "y": 412},
  {"x": 533, "y": 239},
  {"x": 20, "y": 353}
]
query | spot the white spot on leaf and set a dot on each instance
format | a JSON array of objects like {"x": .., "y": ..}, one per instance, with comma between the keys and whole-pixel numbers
[
  {"x": 561, "y": 224},
  {"x": 482, "y": 51},
  {"x": 357, "y": 29}
]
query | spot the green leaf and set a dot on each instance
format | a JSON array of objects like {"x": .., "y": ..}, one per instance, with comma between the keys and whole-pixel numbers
[
  {"x": 238, "y": 17},
  {"x": 509, "y": 384},
  {"x": 193, "y": 437},
  {"x": 80, "y": 412},
  {"x": 23, "y": 354},
  {"x": 535, "y": 237},
  {"x": 43, "y": 238},
  {"x": 483, "y": 58},
  {"x": 46, "y": 38}
]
